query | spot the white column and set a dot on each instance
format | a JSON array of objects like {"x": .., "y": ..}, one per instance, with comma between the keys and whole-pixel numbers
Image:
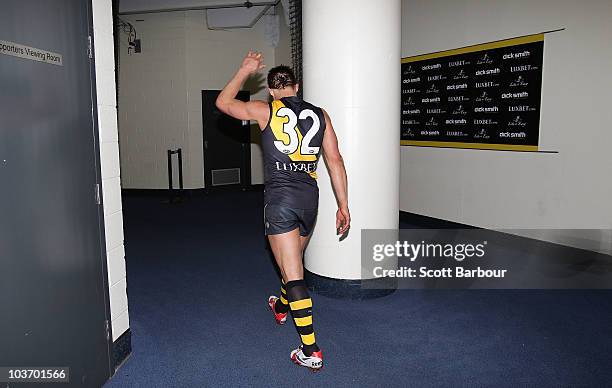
[{"x": 351, "y": 51}]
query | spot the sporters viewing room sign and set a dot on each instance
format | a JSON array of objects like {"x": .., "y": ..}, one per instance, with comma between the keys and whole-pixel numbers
[
  {"x": 31, "y": 53},
  {"x": 485, "y": 96}
]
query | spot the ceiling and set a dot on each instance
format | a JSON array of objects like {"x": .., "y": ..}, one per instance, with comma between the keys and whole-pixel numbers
[{"x": 145, "y": 6}]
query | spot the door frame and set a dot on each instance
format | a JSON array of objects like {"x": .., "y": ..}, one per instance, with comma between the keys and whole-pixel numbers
[
  {"x": 97, "y": 168},
  {"x": 245, "y": 175}
]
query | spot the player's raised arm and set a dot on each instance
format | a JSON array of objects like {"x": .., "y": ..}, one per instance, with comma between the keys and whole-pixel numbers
[
  {"x": 227, "y": 102},
  {"x": 337, "y": 173}
]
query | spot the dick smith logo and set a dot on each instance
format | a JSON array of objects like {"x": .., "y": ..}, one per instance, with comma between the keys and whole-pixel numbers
[
  {"x": 431, "y": 99},
  {"x": 512, "y": 135},
  {"x": 431, "y": 67},
  {"x": 457, "y": 86},
  {"x": 430, "y": 133},
  {"x": 486, "y": 109},
  {"x": 488, "y": 71},
  {"x": 518, "y": 95},
  {"x": 455, "y": 121},
  {"x": 517, "y": 55},
  {"x": 411, "y": 80},
  {"x": 411, "y": 111}
]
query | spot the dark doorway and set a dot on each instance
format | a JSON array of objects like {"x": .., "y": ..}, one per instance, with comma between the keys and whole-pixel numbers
[
  {"x": 53, "y": 292},
  {"x": 227, "y": 145}
]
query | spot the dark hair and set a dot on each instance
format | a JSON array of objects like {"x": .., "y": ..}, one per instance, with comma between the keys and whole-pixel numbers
[{"x": 280, "y": 77}]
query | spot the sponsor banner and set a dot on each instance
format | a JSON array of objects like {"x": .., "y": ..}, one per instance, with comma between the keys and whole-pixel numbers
[
  {"x": 483, "y": 259},
  {"x": 485, "y": 96}
]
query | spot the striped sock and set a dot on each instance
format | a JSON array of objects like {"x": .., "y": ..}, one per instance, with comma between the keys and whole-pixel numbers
[
  {"x": 282, "y": 305},
  {"x": 301, "y": 311}
]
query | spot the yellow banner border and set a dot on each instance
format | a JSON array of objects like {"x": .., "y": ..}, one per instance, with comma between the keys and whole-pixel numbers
[
  {"x": 477, "y": 47},
  {"x": 476, "y": 146}
]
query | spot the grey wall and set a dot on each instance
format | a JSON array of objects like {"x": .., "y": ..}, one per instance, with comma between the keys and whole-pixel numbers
[{"x": 490, "y": 189}]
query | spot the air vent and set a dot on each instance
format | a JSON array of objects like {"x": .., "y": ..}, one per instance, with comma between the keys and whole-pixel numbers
[{"x": 226, "y": 176}]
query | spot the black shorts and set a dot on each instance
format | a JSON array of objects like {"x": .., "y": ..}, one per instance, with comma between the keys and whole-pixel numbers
[{"x": 282, "y": 219}]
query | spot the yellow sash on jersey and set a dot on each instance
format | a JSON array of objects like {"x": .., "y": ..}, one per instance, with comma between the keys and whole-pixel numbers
[{"x": 276, "y": 124}]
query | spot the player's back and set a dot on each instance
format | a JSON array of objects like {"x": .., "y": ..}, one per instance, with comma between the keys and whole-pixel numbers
[{"x": 292, "y": 143}]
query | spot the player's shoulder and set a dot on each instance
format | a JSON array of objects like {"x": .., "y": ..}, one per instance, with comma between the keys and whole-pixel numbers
[
  {"x": 259, "y": 104},
  {"x": 314, "y": 106},
  {"x": 259, "y": 110}
]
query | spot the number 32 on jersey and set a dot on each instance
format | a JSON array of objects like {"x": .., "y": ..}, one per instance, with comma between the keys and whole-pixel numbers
[{"x": 289, "y": 138}]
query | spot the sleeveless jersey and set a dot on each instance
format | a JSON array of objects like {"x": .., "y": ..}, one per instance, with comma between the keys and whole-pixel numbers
[{"x": 291, "y": 145}]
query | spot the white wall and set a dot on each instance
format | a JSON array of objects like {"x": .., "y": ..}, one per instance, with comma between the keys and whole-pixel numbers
[
  {"x": 160, "y": 93},
  {"x": 282, "y": 52},
  {"x": 109, "y": 160},
  {"x": 491, "y": 189}
]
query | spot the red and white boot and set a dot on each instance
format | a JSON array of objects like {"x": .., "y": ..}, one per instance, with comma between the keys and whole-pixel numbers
[
  {"x": 314, "y": 362},
  {"x": 280, "y": 318}
]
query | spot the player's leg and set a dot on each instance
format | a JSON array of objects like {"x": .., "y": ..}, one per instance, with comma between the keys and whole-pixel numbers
[
  {"x": 280, "y": 305},
  {"x": 286, "y": 248}
]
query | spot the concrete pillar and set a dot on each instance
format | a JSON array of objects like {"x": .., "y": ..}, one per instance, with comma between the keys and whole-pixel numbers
[{"x": 351, "y": 52}]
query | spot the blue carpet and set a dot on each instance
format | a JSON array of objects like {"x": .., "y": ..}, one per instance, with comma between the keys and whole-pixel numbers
[{"x": 199, "y": 275}]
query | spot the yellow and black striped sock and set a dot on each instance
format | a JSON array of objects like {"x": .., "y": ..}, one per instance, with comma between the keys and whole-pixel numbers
[
  {"x": 282, "y": 305},
  {"x": 301, "y": 311}
]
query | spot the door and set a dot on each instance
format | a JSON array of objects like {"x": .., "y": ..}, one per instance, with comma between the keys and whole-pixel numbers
[
  {"x": 53, "y": 292},
  {"x": 227, "y": 145}
]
